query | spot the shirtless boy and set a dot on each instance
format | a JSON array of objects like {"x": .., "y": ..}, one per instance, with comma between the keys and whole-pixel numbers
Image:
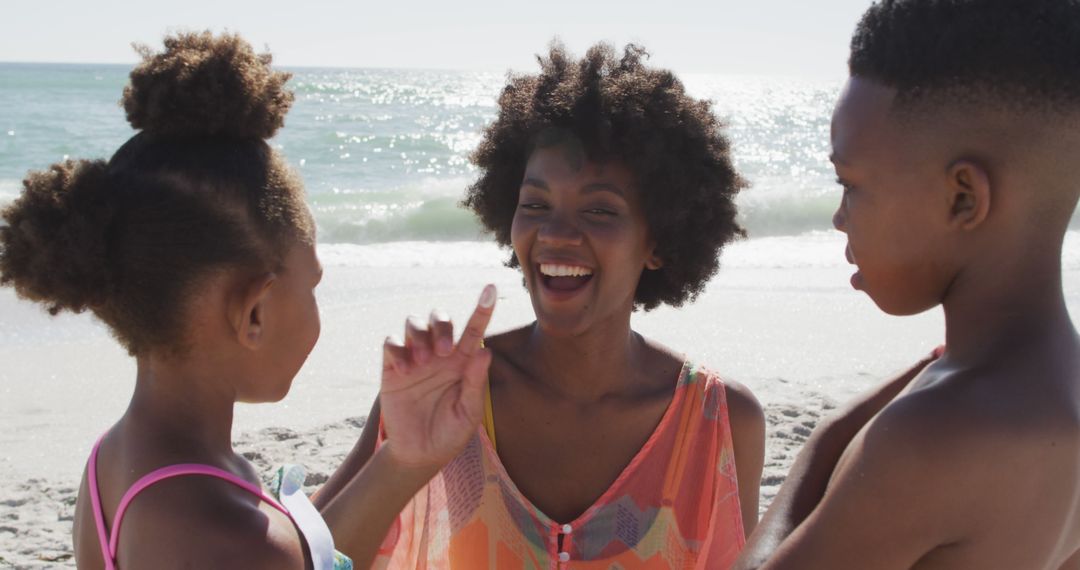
[{"x": 956, "y": 141}]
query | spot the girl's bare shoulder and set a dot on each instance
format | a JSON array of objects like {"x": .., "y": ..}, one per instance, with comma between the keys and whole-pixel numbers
[{"x": 202, "y": 522}]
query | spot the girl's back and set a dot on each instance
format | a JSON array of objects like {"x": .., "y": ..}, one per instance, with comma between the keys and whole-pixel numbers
[{"x": 200, "y": 518}]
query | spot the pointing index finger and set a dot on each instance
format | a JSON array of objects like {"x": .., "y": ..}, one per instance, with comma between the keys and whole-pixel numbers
[{"x": 478, "y": 322}]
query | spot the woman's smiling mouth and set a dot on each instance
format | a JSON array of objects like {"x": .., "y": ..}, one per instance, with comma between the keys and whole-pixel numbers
[{"x": 563, "y": 279}]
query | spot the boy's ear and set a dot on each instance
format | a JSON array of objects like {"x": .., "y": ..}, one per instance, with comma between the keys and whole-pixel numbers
[
  {"x": 248, "y": 311},
  {"x": 969, "y": 194}
]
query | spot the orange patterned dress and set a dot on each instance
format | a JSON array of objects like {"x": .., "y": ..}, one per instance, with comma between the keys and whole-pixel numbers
[{"x": 675, "y": 505}]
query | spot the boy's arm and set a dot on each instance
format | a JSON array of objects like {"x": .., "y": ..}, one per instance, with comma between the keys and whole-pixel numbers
[{"x": 810, "y": 474}]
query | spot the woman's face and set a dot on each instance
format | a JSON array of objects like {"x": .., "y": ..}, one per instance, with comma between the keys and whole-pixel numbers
[{"x": 582, "y": 239}]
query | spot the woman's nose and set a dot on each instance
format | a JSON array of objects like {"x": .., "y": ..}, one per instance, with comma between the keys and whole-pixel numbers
[{"x": 557, "y": 231}]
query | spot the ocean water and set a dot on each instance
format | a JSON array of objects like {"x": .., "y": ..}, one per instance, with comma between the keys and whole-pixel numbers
[{"x": 384, "y": 153}]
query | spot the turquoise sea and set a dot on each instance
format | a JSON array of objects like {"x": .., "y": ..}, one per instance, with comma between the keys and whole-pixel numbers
[{"x": 384, "y": 152}]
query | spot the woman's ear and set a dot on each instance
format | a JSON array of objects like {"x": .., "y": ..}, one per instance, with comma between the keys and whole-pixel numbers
[
  {"x": 969, "y": 194},
  {"x": 248, "y": 311},
  {"x": 654, "y": 261}
]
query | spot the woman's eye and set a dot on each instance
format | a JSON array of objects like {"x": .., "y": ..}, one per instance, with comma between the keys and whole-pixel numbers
[
  {"x": 531, "y": 206},
  {"x": 600, "y": 212}
]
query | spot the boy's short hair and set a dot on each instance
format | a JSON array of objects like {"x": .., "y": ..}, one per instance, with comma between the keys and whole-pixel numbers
[
  {"x": 617, "y": 108},
  {"x": 1016, "y": 54}
]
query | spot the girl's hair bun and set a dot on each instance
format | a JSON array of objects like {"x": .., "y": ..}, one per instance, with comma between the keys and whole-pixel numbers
[
  {"x": 54, "y": 247},
  {"x": 204, "y": 85}
]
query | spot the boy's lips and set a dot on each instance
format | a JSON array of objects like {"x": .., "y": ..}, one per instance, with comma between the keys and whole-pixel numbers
[{"x": 856, "y": 278}]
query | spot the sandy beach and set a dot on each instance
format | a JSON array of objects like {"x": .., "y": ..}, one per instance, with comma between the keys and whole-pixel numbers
[
  {"x": 780, "y": 317},
  {"x": 36, "y": 514}
]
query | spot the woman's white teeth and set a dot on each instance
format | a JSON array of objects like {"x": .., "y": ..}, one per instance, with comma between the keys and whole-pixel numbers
[{"x": 552, "y": 270}]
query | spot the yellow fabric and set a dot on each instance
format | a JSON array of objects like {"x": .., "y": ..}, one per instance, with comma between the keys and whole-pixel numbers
[{"x": 489, "y": 417}]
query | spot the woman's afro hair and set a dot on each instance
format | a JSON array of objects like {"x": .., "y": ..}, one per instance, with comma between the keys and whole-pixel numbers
[{"x": 620, "y": 110}]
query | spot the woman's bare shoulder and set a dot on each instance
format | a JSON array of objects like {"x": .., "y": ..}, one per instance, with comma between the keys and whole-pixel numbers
[{"x": 509, "y": 340}]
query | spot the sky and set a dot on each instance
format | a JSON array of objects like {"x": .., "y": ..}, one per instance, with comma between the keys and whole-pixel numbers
[{"x": 745, "y": 37}]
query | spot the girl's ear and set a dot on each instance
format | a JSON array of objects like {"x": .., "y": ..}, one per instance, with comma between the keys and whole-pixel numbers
[{"x": 248, "y": 311}]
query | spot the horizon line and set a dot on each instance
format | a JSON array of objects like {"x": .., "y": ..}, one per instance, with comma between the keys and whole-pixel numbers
[{"x": 820, "y": 76}]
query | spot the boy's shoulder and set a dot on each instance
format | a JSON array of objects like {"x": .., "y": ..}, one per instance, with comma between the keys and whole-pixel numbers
[
  {"x": 998, "y": 406},
  {"x": 972, "y": 459},
  {"x": 963, "y": 422}
]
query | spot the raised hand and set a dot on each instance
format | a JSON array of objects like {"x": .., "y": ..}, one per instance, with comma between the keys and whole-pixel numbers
[{"x": 432, "y": 394}]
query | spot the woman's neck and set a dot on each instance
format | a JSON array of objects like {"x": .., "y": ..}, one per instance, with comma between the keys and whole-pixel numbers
[{"x": 586, "y": 368}]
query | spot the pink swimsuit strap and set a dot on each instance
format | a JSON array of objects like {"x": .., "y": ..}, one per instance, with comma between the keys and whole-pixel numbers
[{"x": 110, "y": 540}]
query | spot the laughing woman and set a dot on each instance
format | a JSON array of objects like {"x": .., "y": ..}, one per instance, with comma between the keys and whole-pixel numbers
[{"x": 601, "y": 448}]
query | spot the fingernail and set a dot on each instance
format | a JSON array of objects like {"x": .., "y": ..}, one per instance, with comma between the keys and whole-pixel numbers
[
  {"x": 445, "y": 346},
  {"x": 487, "y": 298}
]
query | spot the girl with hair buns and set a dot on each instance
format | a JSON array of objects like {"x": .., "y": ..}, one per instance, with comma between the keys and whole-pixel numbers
[{"x": 194, "y": 245}]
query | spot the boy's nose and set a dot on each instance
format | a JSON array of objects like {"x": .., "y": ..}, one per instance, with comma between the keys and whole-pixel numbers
[
  {"x": 558, "y": 232},
  {"x": 839, "y": 219}
]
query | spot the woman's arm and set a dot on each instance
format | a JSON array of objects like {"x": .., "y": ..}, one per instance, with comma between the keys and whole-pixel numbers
[
  {"x": 748, "y": 438},
  {"x": 354, "y": 462},
  {"x": 362, "y": 513}
]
